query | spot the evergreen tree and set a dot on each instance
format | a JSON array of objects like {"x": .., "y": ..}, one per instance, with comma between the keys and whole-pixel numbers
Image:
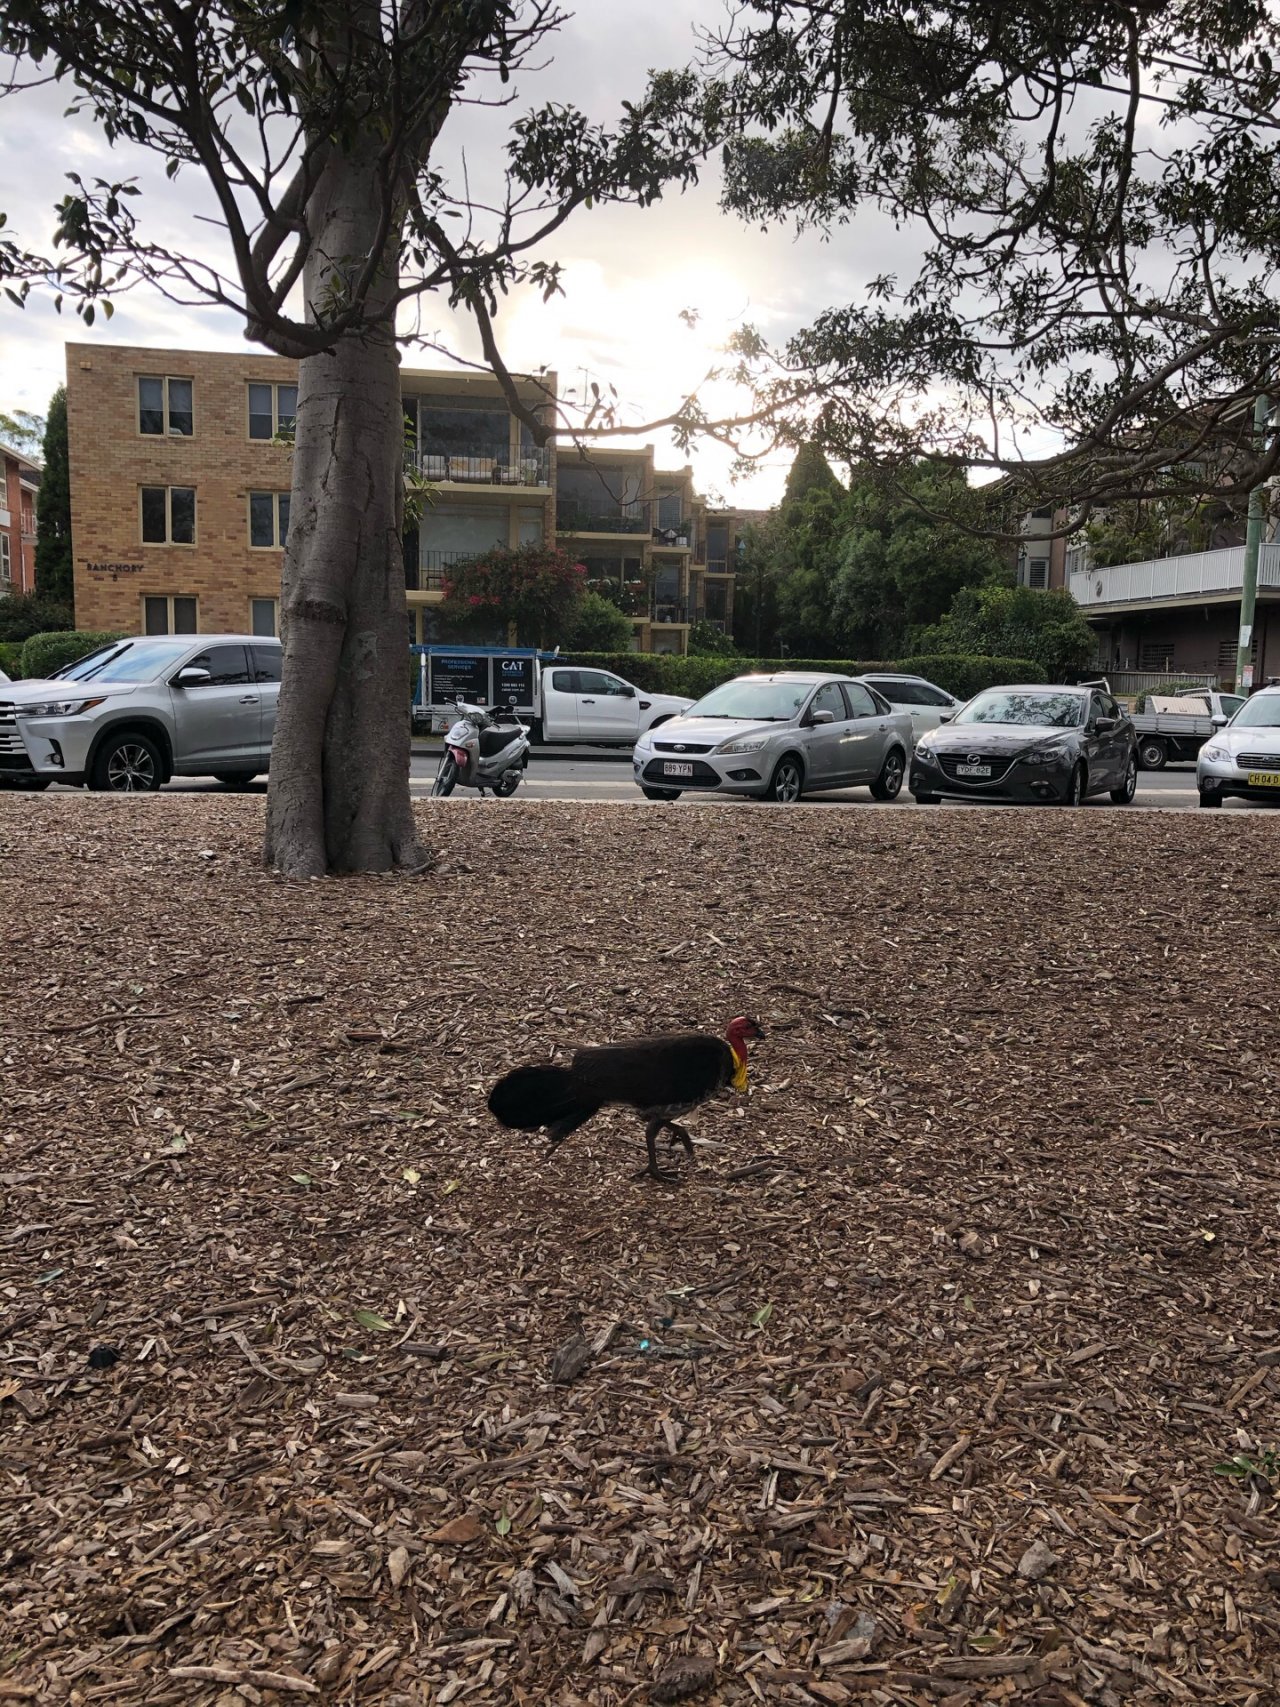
[{"x": 55, "y": 578}]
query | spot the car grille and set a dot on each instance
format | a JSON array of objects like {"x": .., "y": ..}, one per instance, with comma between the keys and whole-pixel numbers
[
  {"x": 10, "y": 740},
  {"x": 687, "y": 747},
  {"x": 1259, "y": 761},
  {"x": 1000, "y": 769},
  {"x": 703, "y": 776}
]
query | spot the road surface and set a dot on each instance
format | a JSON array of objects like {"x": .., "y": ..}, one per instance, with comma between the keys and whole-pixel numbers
[{"x": 565, "y": 776}]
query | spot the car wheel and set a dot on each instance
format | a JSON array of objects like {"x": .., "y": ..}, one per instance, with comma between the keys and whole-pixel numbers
[
  {"x": 787, "y": 782},
  {"x": 127, "y": 764},
  {"x": 1153, "y": 755},
  {"x": 506, "y": 785},
  {"x": 446, "y": 776},
  {"x": 1075, "y": 787},
  {"x": 234, "y": 779},
  {"x": 659, "y": 793},
  {"x": 888, "y": 785},
  {"x": 1123, "y": 795},
  {"x": 1206, "y": 799}
]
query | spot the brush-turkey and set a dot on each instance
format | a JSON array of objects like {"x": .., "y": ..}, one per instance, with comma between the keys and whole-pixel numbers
[{"x": 660, "y": 1077}]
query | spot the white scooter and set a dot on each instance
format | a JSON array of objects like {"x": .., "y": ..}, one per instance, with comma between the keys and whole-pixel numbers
[{"x": 483, "y": 750}]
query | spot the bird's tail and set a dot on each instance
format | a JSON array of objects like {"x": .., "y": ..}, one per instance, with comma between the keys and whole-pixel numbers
[{"x": 540, "y": 1096}]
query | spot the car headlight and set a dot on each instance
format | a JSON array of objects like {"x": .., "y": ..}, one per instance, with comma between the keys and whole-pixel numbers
[
  {"x": 1217, "y": 755},
  {"x": 750, "y": 744},
  {"x": 1050, "y": 755},
  {"x": 58, "y": 707}
]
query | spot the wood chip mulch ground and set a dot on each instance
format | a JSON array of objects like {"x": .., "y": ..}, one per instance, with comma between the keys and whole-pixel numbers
[{"x": 949, "y": 1375}]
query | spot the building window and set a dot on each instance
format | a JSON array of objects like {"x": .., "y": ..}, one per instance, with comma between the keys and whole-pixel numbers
[
  {"x": 268, "y": 519},
  {"x": 6, "y": 566},
  {"x": 273, "y": 411},
  {"x": 164, "y": 406},
  {"x": 1156, "y": 655},
  {"x": 1038, "y": 572},
  {"x": 264, "y": 617},
  {"x": 169, "y": 517},
  {"x": 1228, "y": 652},
  {"x": 169, "y": 615}
]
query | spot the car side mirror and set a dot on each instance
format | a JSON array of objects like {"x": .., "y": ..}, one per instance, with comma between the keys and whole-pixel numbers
[
  {"x": 1104, "y": 725},
  {"x": 192, "y": 677},
  {"x": 945, "y": 716},
  {"x": 1219, "y": 721},
  {"x": 816, "y": 717},
  {"x": 628, "y": 692}
]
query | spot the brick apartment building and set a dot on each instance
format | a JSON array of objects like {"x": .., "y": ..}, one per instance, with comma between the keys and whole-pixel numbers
[
  {"x": 180, "y": 497},
  {"x": 19, "y": 484}
]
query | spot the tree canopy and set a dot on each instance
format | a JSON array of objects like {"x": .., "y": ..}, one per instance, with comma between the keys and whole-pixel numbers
[
  {"x": 854, "y": 572},
  {"x": 1016, "y": 622},
  {"x": 22, "y": 430},
  {"x": 536, "y": 589},
  {"x": 1082, "y": 199}
]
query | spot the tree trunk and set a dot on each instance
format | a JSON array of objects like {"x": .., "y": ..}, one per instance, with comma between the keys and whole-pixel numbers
[{"x": 338, "y": 797}]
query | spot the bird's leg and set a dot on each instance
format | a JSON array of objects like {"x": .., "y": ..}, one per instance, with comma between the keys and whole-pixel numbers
[
  {"x": 666, "y": 1175},
  {"x": 680, "y": 1136}
]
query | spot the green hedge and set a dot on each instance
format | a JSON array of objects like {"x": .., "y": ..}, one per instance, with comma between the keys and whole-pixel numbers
[
  {"x": 44, "y": 653},
  {"x": 11, "y": 658},
  {"x": 962, "y": 674}
]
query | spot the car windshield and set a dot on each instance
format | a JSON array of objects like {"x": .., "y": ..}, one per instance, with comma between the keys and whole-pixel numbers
[
  {"x": 753, "y": 700},
  {"x": 1261, "y": 712},
  {"x": 131, "y": 661},
  {"x": 1035, "y": 710}
]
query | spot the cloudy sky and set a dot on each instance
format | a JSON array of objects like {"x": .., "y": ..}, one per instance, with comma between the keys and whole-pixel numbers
[{"x": 628, "y": 273}]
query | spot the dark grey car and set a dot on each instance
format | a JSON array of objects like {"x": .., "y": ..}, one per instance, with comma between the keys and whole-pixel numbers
[{"x": 1037, "y": 745}]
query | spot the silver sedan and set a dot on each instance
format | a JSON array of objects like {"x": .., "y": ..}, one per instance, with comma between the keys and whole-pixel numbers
[
  {"x": 1243, "y": 759},
  {"x": 777, "y": 737}
]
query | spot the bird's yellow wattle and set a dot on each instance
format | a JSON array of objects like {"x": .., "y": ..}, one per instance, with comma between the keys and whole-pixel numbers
[{"x": 739, "y": 1069}]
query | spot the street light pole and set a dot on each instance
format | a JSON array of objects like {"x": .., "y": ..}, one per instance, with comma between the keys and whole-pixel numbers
[{"x": 1252, "y": 543}]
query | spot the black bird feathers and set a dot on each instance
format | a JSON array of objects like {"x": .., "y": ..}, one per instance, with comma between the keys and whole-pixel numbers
[{"x": 660, "y": 1077}]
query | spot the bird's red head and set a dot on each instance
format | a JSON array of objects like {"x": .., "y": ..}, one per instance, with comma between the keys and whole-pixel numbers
[{"x": 739, "y": 1030}]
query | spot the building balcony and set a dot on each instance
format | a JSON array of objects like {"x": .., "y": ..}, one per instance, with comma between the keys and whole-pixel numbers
[
  {"x": 669, "y": 613},
  {"x": 629, "y": 518},
  {"x": 677, "y": 538},
  {"x": 1195, "y": 576},
  {"x": 481, "y": 465},
  {"x": 429, "y": 575}
]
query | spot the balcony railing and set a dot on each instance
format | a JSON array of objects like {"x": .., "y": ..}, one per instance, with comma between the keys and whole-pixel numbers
[
  {"x": 480, "y": 465},
  {"x": 1194, "y": 574},
  {"x": 575, "y": 518},
  {"x": 681, "y": 535},
  {"x": 668, "y": 610},
  {"x": 428, "y": 575}
]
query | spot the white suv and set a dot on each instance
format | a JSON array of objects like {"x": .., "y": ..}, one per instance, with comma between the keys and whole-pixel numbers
[
  {"x": 925, "y": 703},
  {"x": 134, "y": 713}
]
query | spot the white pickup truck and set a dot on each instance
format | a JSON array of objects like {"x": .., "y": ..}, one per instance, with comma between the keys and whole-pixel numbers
[
  {"x": 560, "y": 701},
  {"x": 1172, "y": 727}
]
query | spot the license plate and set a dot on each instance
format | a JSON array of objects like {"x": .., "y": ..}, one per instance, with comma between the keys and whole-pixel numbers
[
  {"x": 1264, "y": 779},
  {"x": 687, "y": 770},
  {"x": 973, "y": 770}
]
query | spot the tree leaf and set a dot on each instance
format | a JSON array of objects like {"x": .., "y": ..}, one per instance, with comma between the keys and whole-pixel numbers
[{"x": 376, "y": 1323}]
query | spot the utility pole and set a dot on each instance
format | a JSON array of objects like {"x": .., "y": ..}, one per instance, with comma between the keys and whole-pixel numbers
[{"x": 1252, "y": 543}]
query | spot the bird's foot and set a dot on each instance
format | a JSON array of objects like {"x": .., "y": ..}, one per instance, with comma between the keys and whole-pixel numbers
[{"x": 666, "y": 1176}]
